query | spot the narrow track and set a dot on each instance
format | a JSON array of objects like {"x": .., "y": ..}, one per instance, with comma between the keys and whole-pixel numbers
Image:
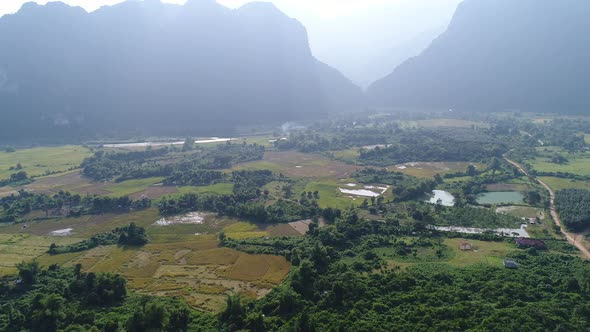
[{"x": 570, "y": 238}]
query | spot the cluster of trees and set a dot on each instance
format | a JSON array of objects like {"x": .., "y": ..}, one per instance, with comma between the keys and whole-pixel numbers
[
  {"x": 255, "y": 209},
  {"x": 247, "y": 184},
  {"x": 473, "y": 217},
  {"x": 337, "y": 136},
  {"x": 131, "y": 235},
  {"x": 448, "y": 144},
  {"x": 405, "y": 187},
  {"x": 564, "y": 133},
  {"x": 179, "y": 168},
  {"x": 103, "y": 166},
  {"x": 59, "y": 299},
  {"x": 65, "y": 204},
  {"x": 573, "y": 206},
  {"x": 18, "y": 178}
]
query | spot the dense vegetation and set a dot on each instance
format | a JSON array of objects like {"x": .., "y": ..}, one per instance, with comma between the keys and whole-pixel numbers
[
  {"x": 18, "y": 178},
  {"x": 179, "y": 167},
  {"x": 65, "y": 204},
  {"x": 341, "y": 283},
  {"x": 59, "y": 299},
  {"x": 436, "y": 145},
  {"x": 376, "y": 268},
  {"x": 573, "y": 206}
]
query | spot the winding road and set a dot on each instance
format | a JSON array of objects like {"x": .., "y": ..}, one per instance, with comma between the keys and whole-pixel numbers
[{"x": 570, "y": 238}]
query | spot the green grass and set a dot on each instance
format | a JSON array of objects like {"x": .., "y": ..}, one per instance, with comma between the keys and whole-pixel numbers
[
  {"x": 130, "y": 187},
  {"x": 560, "y": 184},
  {"x": 520, "y": 211},
  {"x": 587, "y": 138},
  {"x": 219, "y": 188},
  {"x": 579, "y": 165},
  {"x": 84, "y": 226},
  {"x": 330, "y": 195},
  {"x": 349, "y": 155},
  {"x": 491, "y": 253},
  {"x": 39, "y": 161},
  {"x": 259, "y": 165},
  {"x": 430, "y": 169}
]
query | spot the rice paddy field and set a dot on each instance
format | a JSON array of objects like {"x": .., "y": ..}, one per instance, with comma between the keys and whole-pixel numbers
[
  {"x": 180, "y": 259},
  {"x": 186, "y": 259}
]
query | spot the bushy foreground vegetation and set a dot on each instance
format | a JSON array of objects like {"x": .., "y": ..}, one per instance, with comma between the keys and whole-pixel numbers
[
  {"x": 60, "y": 299},
  {"x": 342, "y": 282},
  {"x": 66, "y": 204}
]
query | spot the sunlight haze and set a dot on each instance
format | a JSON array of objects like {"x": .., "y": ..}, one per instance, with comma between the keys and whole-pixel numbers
[{"x": 349, "y": 35}]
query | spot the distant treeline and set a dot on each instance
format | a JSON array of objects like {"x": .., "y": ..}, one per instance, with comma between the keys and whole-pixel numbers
[
  {"x": 65, "y": 204},
  {"x": 178, "y": 168},
  {"x": 452, "y": 144}
]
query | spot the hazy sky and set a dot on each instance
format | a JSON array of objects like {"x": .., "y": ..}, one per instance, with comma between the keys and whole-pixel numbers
[{"x": 342, "y": 33}]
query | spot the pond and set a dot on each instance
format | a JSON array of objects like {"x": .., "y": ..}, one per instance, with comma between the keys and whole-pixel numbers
[
  {"x": 446, "y": 198},
  {"x": 189, "y": 218},
  {"x": 368, "y": 191},
  {"x": 506, "y": 197},
  {"x": 510, "y": 232}
]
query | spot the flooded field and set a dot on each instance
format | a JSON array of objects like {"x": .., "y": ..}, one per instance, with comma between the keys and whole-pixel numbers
[
  {"x": 446, "y": 198},
  {"x": 189, "y": 218},
  {"x": 146, "y": 144},
  {"x": 367, "y": 191},
  {"x": 510, "y": 232}
]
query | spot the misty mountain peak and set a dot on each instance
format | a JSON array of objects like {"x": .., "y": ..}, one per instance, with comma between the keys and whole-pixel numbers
[
  {"x": 491, "y": 53},
  {"x": 122, "y": 67}
]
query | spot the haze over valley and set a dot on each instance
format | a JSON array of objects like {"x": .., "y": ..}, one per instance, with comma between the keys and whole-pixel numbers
[{"x": 309, "y": 165}]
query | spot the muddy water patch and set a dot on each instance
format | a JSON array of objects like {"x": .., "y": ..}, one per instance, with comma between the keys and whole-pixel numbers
[
  {"x": 368, "y": 191},
  {"x": 62, "y": 232},
  {"x": 442, "y": 197}
]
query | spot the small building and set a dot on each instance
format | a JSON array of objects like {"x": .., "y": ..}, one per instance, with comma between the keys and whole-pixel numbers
[
  {"x": 510, "y": 264},
  {"x": 529, "y": 243},
  {"x": 465, "y": 246},
  {"x": 532, "y": 221}
]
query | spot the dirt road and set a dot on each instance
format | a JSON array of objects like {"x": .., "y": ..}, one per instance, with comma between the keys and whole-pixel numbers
[{"x": 570, "y": 238}]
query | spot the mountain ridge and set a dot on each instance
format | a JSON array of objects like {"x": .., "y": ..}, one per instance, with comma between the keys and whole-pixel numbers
[
  {"x": 144, "y": 68},
  {"x": 498, "y": 55}
]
